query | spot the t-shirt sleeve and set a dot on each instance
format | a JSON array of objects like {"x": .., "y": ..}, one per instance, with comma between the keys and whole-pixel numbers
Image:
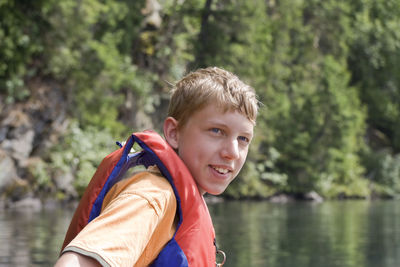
[{"x": 120, "y": 234}]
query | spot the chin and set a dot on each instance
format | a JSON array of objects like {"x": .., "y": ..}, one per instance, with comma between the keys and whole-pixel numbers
[{"x": 215, "y": 192}]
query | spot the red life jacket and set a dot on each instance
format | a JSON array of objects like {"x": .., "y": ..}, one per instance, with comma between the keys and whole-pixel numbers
[{"x": 193, "y": 243}]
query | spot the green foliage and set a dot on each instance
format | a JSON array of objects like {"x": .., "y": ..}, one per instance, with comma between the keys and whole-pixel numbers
[
  {"x": 383, "y": 170},
  {"x": 325, "y": 70},
  {"x": 320, "y": 125},
  {"x": 259, "y": 177},
  {"x": 40, "y": 173},
  {"x": 374, "y": 62},
  {"x": 313, "y": 120},
  {"x": 249, "y": 185},
  {"x": 267, "y": 167},
  {"x": 85, "y": 51},
  {"x": 21, "y": 24},
  {"x": 81, "y": 152},
  {"x": 357, "y": 188}
]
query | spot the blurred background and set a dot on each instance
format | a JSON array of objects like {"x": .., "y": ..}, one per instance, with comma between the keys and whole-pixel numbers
[{"x": 76, "y": 76}]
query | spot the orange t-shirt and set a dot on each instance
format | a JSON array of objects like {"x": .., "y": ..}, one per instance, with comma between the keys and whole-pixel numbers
[{"x": 136, "y": 222}]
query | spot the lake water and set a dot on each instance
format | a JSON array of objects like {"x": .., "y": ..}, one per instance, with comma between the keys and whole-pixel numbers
[{"x": 329, "y": 234}]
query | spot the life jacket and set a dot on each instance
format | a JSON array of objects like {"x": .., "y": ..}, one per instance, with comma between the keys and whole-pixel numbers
[{"x": 193, "y": 243}]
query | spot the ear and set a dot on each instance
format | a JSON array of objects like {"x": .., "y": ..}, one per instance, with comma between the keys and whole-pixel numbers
[{"x": 171, "y": 132}]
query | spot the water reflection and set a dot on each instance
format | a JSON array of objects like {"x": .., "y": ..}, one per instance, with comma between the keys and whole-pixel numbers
[
  {"x": 330, "y": 234},
  {"x": 32, "y": 238}
]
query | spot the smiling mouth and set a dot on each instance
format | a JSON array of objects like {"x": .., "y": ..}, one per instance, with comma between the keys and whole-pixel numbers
[{"x": 220, "y": 170}]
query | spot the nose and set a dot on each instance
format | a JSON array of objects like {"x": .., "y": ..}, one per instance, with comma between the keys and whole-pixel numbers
[{"x": 230, "y": 150}]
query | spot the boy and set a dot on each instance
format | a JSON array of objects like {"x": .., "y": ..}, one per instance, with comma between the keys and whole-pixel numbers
[{"x": 161, "y": 219}]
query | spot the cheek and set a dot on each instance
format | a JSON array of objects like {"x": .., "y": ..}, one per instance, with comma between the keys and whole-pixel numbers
[
  {"x": 191, "y": 154},
  {"x": 242, "y": 159}
]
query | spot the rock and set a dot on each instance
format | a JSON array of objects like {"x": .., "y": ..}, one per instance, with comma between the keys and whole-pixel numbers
[
  {"x": 142, "y": 121},
  {"x": 64, "y": 182},
  {"x": 152, "y": 13},
  {"x": 28, "y": 129},
  {"x": 313, "y": 196},
  {"x": 3, "y": 133},
  {"x": 16, "y": 118},
  {"x": 281, "y": 198},
  {"x": 50, "y": 204},
  {"x": 17, "y": 189},
  {"x": 210, "y": 199},
  {"x": 8, "y": 172},
  {"x": 21, "y": 146},
  {"x": 29, "y": 203}
]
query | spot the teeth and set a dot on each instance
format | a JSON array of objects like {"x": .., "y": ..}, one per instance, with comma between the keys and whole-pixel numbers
[{"x": 221, "y": 170}]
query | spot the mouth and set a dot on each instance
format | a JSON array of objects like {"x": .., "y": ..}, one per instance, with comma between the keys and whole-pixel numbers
[{"x": 221, "y": 170}]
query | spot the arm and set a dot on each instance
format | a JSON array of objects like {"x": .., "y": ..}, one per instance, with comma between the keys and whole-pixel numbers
[
  {"x": 135, "y": 223},
  {"x": 73, "y": 259}
]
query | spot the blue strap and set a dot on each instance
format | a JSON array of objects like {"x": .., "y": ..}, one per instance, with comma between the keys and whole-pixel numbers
[{"x": 111, "y": 180}]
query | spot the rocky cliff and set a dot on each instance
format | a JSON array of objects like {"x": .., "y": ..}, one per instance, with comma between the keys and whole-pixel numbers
[{"x": 27, "y": 129}]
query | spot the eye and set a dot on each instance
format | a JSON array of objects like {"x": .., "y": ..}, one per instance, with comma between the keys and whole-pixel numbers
[
  {"x": 244, "y": 139},
  {"x": 216, "y": 130}
]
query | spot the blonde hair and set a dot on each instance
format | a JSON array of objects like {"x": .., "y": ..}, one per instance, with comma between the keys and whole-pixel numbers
[{"x": 211, "y": 85}]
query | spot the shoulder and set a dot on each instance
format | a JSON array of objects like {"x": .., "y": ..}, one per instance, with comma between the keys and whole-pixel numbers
[
  {"x": 146, "y": 200},
  {"x": 142, "y": 182},
  {"x": 148, "y": 185}
]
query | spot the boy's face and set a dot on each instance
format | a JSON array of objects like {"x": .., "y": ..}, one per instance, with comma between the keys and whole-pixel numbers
[{"x": 214, "y": 144}]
